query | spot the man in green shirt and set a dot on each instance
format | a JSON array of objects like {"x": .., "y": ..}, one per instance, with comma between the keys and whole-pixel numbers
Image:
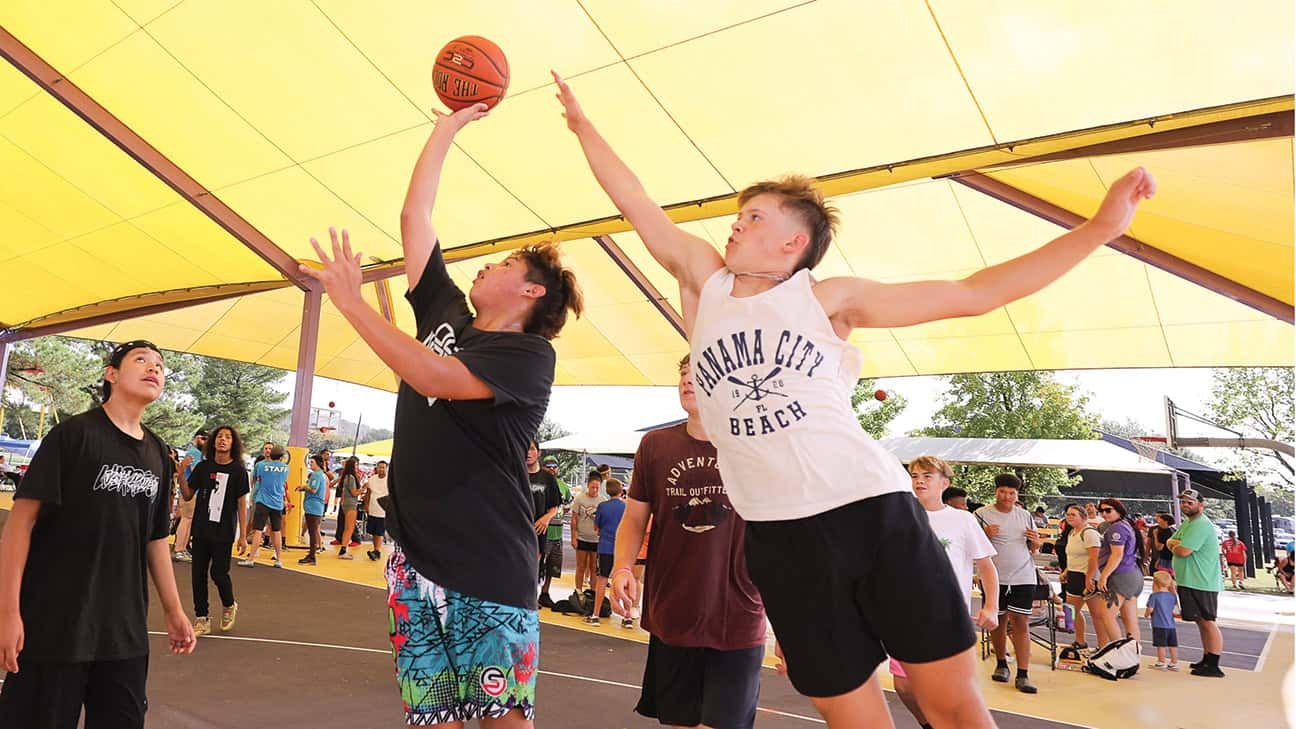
[
  {"x": 553, "y": 561},
  {"x": 1196, "y": 567}
]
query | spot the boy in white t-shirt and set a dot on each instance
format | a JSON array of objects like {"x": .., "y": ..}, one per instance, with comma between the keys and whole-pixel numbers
[{"x": 965, "y": 545}]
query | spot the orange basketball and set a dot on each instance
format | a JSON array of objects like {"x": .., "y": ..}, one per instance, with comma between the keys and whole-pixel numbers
[{"x": 470, "y": 69}]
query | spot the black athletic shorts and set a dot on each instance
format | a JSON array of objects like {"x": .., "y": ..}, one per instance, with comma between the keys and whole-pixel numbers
[
  {"x": 838, "y": 585},
  {"x": 584, "y": 546},
  {"x": 376, "y": 526},
  {"x": 1075, "y": 584},
  {"x": 605, "y": 565},
  {"x": 1019, "y": 599},
  {"x": 262, "y": 513},
  {"x": 1197, "y": 605},
  {"x": 49, "y": 695},
  {"x": 692, "y": 686},
  {"x": 1165, "y": 638}
]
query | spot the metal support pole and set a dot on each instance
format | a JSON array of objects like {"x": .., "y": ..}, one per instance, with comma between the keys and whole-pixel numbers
[
  {"x": 1242, "y": 502},
  {"x": 4, "y": 378},
  {"x": 1255, "y": 548},
  {"x": 298, "y": 438},
  {"x": 1266, "y": 532},
  {"x": 1174, "y": 498}
]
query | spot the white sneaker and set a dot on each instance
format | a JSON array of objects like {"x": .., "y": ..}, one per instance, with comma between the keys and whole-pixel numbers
[
  {"x": 1172, "y": 667},
  {"x": 1160, "y": 665},
  {"x": 247, "y": 562}
]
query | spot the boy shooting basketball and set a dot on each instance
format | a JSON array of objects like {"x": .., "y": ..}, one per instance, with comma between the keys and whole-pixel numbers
[{"x": 829, "y": 521}]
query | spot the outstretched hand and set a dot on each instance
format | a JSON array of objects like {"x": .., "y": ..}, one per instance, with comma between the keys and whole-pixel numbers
[
  {"x": 572, "y": 111},
  {"x": 460, "y": 119},
  {"x": 1123, "y": 198},
  {"x": 340, "y": 274}
]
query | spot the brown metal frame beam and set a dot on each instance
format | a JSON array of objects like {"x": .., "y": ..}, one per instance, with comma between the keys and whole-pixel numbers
[
  {"x": 637, "y": 277},
  {"x": 93, "y": 315},
  {"x": 1256, "y": 128},
  {"x": 113, "y": 129},
  {"x": 1133, "y": 247}
]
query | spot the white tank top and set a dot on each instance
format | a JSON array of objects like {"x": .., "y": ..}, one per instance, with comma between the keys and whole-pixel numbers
[{"x": 773, "y": 383}]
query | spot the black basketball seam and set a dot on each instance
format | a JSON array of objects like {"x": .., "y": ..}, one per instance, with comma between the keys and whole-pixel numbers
[
  {"x": 485, "y": 55},
  {"x": 458, "y": 71}
]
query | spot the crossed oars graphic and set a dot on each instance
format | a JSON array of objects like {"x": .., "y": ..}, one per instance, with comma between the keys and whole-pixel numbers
[{"x": 756, "y": 388}]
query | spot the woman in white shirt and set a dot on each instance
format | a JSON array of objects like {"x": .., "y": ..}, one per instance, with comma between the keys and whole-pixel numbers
[{"x": 1082, "y": 570}]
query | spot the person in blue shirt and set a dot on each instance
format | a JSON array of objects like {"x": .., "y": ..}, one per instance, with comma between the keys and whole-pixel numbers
[
  {"x": 1160, "y": 607},
  {"x": 606, "y": 521},
  {"x": 316, "y": 489},
  {"x": 270, "y": 478},
  {"x": 193, "y": 455}
]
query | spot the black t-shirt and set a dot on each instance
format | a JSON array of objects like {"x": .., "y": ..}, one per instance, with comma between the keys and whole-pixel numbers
[
  {"x": 226, "y": 482},
  {"x": 458, "y": 501},
  {"x": 545, "y": 494},
  {"x": 1164, "y": 534},
  {"x": 104, "y": 496}
]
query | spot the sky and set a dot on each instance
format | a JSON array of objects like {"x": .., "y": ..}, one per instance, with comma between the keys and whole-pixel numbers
[{"x": 1114, "y": 394}]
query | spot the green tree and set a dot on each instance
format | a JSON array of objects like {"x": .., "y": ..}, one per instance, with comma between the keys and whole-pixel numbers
[
  {"x": 243, "y": 395},
  {"x": 569, "y": 463},
  {"x": 56, "y": 371},
  {"x": 1258, "y": 402},
  {"x": 875, "y": 415},
  {"x": 172, "y": 416},
  {"x": 1011, "y": 405}
]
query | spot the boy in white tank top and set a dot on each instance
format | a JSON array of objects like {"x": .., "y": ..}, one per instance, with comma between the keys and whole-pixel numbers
[{"x": 827, "y": 510}]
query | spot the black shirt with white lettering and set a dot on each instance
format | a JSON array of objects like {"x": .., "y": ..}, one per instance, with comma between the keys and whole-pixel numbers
[
  {"x": 458, "y": 500},
  {"x": 226, "y": 483},
  {"x": 545, "y": 494},
  {"x": 85, "y": 586}
]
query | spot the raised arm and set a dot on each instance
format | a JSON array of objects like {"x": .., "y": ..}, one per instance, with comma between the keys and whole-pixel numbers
[
  {"x": 856, "y": 303},
  {"x": 689, "y": 259},
  {"x": 418, "y": 237}
]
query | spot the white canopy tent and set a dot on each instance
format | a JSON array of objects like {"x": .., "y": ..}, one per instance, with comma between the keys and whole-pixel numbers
[{"x": 609, "y": 443}]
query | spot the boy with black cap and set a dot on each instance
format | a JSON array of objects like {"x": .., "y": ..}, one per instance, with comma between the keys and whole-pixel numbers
[{"x": 80, "y": 625}]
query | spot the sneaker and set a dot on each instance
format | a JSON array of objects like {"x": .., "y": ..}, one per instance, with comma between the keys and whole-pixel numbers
[
  {"x": 591, "y": 620},
  {"x": 1198, "y": 664},
  {"x": 277, "y": 564},
  {"x": 373, "y": 555},
  {"x": 1025, "y": 686},
  {"x": 308, "y": 560},
  {"x": 183, "y": 556},
  {"x": 344, "y": 555},
  {"x": 321, "y": 550},
  {"x": 202, "y": 626},
  {"x": 1001, "y": 674},
  {"x": 227, "y": 618},
  {"x": 627, "y": 623},
  {"x": 1172, "y": 667},
  {"x": 1161, "y": 665},
  {"x": 335, "y": 542},
  {"x": 247, "y": 562},
  {"x": 545, "y": 601},
  {"x": 1211, "y": 671},
  {"x": 354, "y": 544}
]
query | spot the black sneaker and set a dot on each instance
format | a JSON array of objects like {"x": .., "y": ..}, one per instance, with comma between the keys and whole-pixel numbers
[
  {"x": 373, "y": 555},
  {"x": 1001, "y": 674},
  {"x": 546, "y": 601},
  {"x": 1198, "y": 664},
  {"x": 1211, "y": 671},
  {"x": 1025, "y": 686},
  {"x": 307, "y": 560}
]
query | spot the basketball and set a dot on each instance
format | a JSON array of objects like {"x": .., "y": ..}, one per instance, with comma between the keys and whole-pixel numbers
[
  {"x": 470, "y": 69},
  {"x": 880, "y": 394}
]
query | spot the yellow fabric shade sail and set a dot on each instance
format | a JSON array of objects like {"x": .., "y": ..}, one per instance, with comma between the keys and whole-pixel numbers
[{"x": 302, "y": 115}]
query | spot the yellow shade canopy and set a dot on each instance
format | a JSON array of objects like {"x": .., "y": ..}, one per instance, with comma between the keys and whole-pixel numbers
[{"x": 297, "y": 116}]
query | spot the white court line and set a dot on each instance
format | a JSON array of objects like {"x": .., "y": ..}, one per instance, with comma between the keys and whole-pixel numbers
[
  {"x": 636, "y": 687},
  {"x": 388, "y": 653},
  {"x": 1264, "y": 652}
]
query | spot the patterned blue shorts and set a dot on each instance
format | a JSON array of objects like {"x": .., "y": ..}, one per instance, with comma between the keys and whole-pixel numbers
[{"x": 458, "y": 657}]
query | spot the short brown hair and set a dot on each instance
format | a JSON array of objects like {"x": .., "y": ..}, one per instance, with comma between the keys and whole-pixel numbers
[
  {"x": 684, "y": 362},
  {"x": 933, "y": 464},
  {"x": 614, "y": 487},
  {"x": 800, "y": 197},
  {"x": 544, "y": 267}
]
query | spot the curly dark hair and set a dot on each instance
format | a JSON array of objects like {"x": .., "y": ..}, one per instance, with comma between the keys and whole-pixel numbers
[
  {"x": 562, "y": 294},
  {"x": 236, "y": 444}
]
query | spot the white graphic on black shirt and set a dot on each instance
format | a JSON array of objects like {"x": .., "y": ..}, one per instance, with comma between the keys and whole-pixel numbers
[
  {"x": 216, "y": 501},
  {"x": 441, "y": 341},
  {"x": 127, "y": 481}
]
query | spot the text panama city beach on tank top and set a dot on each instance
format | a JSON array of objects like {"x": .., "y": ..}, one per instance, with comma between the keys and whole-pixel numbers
[{"x": 773, "y": 383}]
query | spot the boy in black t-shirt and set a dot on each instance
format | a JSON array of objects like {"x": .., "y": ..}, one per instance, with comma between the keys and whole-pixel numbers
[
  {"x": 73, "y": 631},
  {"x": 219, "y": 487},
  {"x": 474, "y": 388},
  {"x": 546, "y": 499}
]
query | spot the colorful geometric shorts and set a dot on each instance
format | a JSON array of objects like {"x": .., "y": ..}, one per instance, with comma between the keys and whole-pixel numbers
[{"x": 458, "y": 657}]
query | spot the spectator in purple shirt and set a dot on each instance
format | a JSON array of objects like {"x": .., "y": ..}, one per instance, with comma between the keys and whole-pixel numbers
[{"x": 1120, "y": 578}]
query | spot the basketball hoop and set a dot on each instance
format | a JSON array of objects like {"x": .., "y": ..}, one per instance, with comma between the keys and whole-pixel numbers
[{"x": 1148, "y": 446}]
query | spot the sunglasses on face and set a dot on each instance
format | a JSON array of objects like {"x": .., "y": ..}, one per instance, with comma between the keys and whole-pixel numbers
[{"x": 1106, "y": 510}]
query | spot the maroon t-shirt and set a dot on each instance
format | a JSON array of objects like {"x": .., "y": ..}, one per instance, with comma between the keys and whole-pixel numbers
[{"x": 698, "y": 592}]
